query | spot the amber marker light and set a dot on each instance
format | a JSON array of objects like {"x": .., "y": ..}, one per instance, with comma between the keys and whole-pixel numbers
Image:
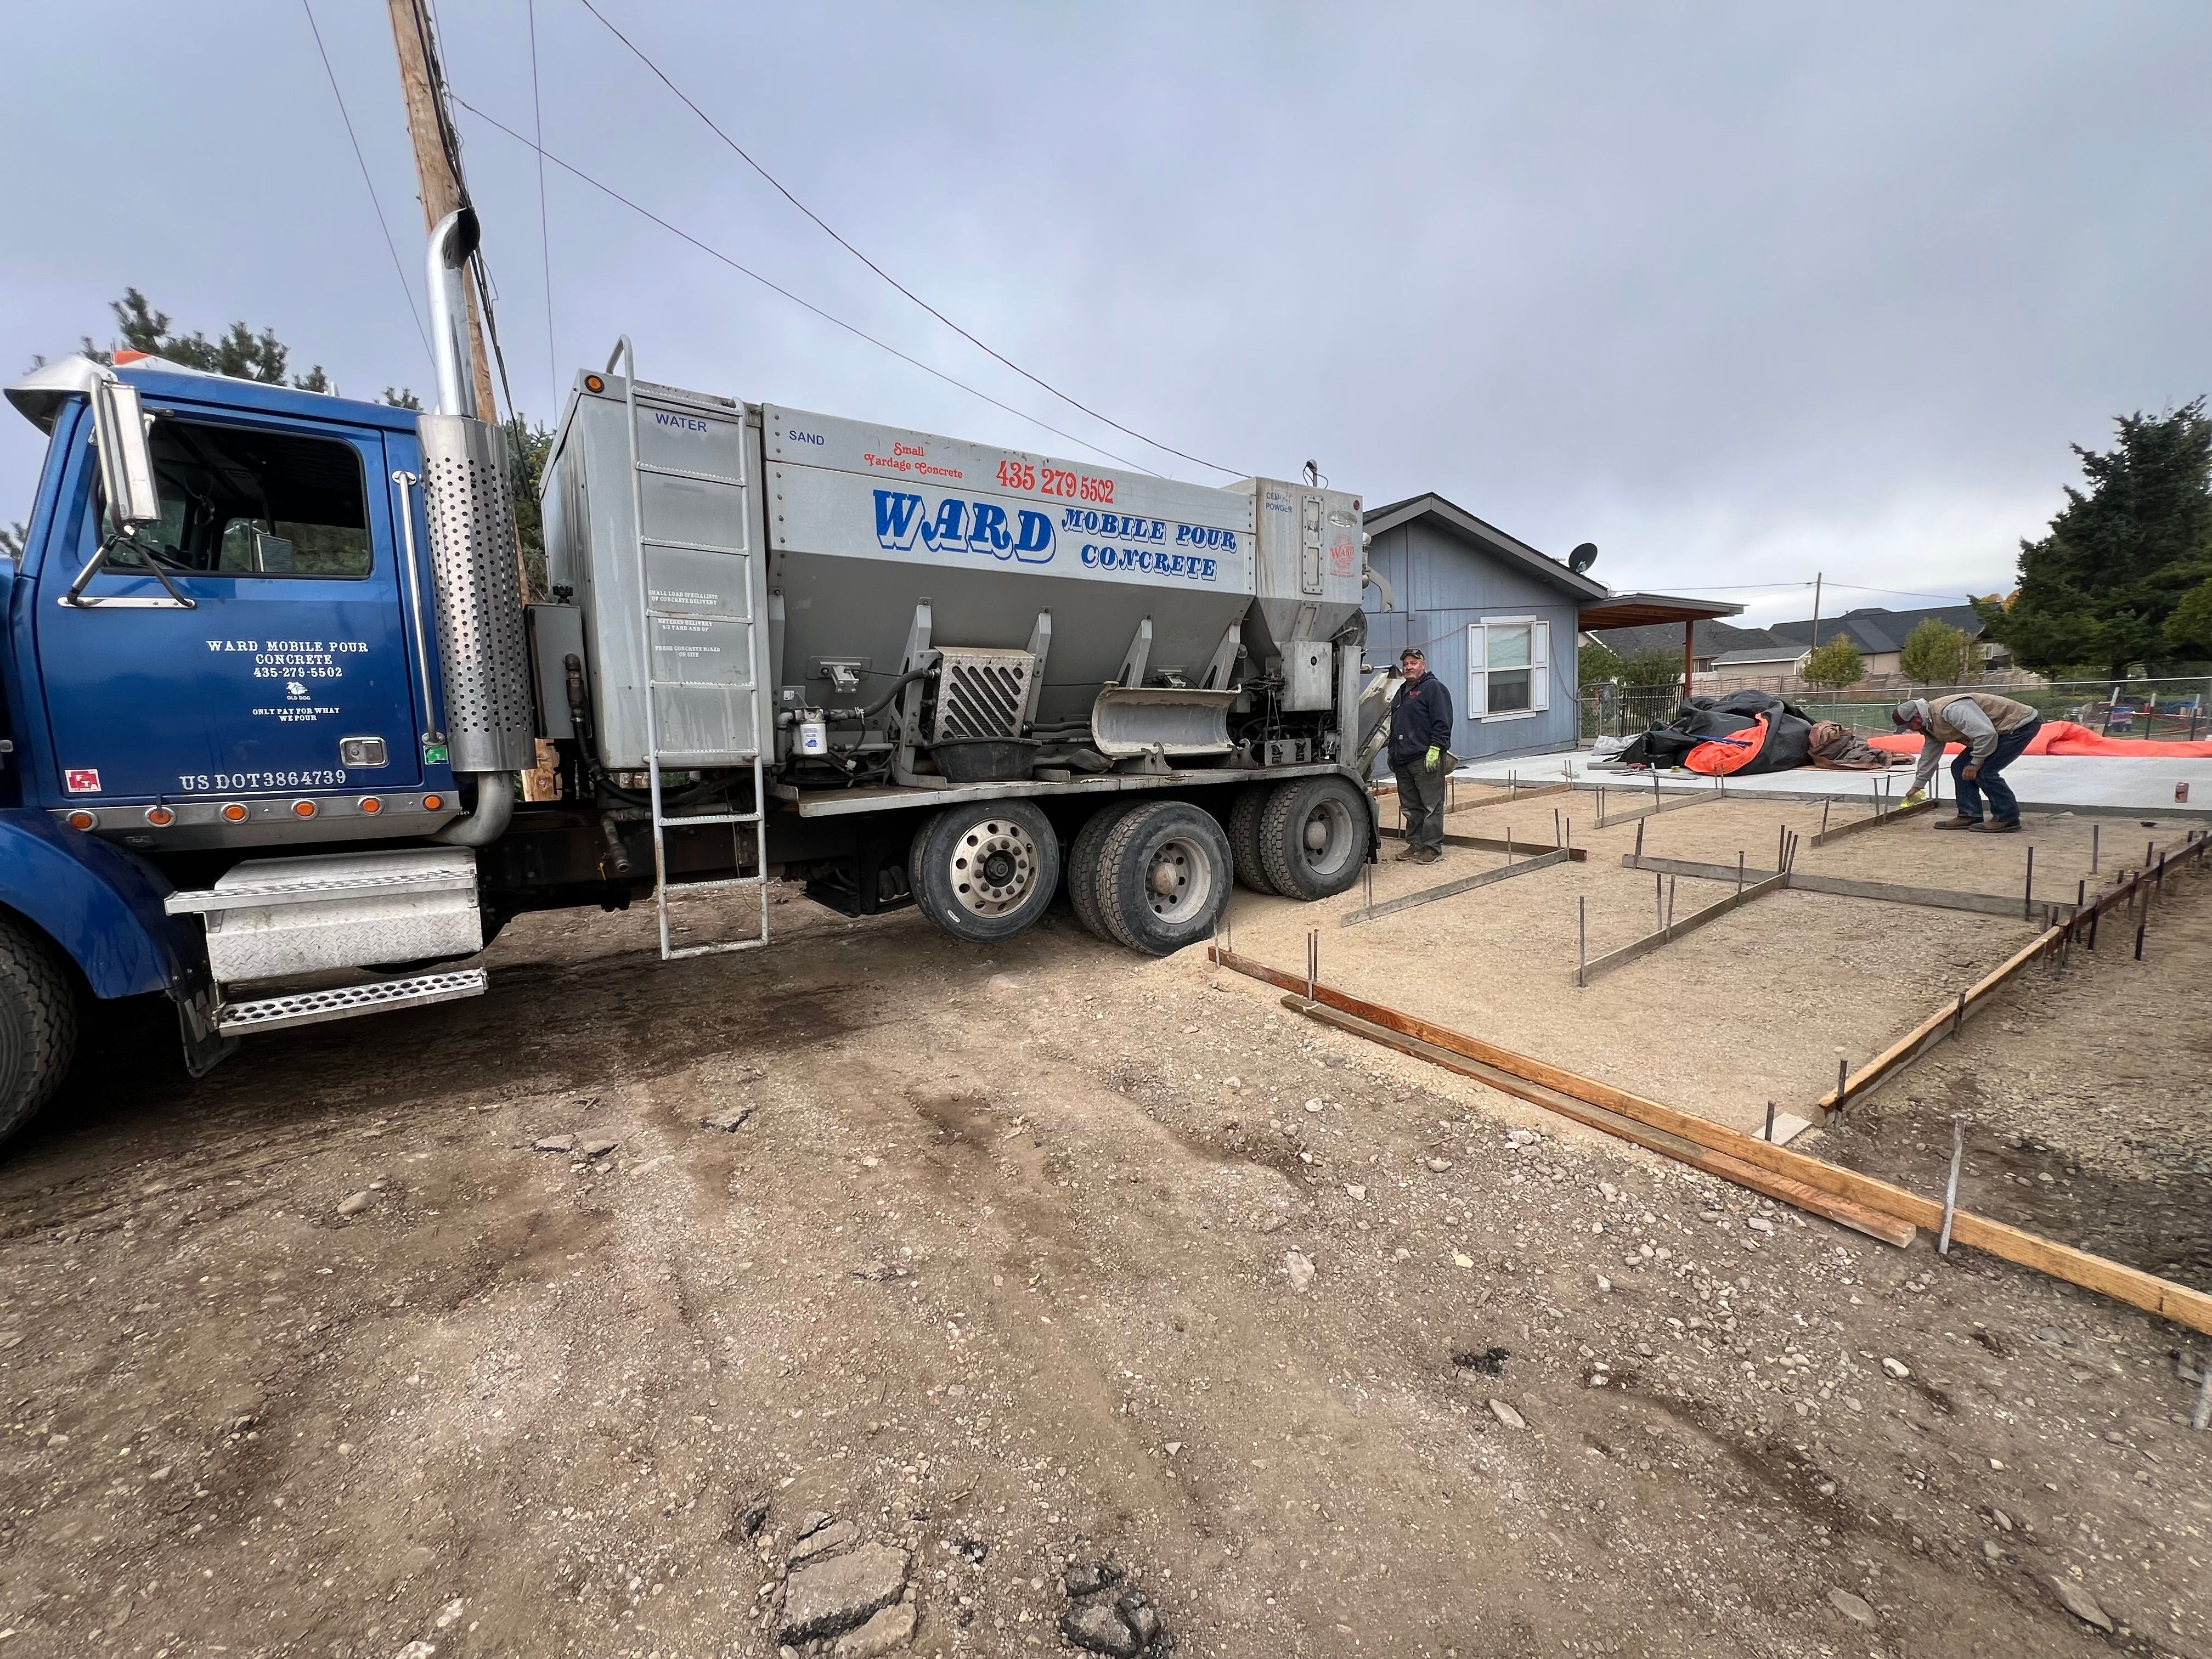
[
  {"x": 303, "y": 809},
  {"x": 370, "y": 804},
  {"x": 593, "y": 383},
  {"x": 234, "y": 813},
  {"x": 432, "y": 803},
  {"x": 81, "y": 819},
  {"x": 160, "y": 816}
]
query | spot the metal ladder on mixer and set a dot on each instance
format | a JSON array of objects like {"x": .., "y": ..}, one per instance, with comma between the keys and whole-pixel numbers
[{"x": 655, "y": 757}]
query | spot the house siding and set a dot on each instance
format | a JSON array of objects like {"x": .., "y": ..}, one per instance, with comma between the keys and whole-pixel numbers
[{"x": 1441, "y": 585}]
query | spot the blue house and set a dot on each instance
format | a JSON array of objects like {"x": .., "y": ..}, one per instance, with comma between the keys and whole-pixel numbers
[{"x": 1497, "y": 619}]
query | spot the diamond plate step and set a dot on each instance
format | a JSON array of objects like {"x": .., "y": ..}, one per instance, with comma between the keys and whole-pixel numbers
[
  {"x": 314, "y": 890},
  {"x": 346, "y": 1001}
]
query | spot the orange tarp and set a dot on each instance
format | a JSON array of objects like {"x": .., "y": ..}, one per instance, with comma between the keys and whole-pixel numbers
[{"x": 2065, "y": 738}]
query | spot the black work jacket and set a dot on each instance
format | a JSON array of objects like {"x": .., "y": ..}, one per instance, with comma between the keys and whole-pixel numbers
[{"x": 1420, "y": 718}]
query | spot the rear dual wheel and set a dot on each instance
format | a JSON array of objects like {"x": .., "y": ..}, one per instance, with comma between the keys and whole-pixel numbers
[
  {"x": 1151, "y": 875},
  {"x": 1310, "y": 836}
]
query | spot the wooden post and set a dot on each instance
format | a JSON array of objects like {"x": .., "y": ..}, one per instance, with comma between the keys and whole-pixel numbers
[{"x": 440, "y": 187}]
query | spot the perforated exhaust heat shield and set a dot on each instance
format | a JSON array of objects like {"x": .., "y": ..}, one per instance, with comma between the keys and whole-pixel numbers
[{"x": 477, "y": 581}]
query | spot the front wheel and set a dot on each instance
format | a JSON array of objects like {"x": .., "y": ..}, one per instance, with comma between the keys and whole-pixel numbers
[
  {"x": 986, "y": 871},
  {"x": 38, "y": 1024},
  {"x": 1314, "y": 836}
]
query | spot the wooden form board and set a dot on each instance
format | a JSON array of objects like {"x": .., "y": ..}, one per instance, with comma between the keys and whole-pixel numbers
[
  {"x": 1496, "y": 844},
  {"x": 1949, "y": 1019},
  {"x": 1875, "y": 822},
  {"x": 1899, "y": 1205},
  {"x": 1465, "y": 884},
  {"x": 2048, "y": 911},
  {"x": 1587, "y": 971}
]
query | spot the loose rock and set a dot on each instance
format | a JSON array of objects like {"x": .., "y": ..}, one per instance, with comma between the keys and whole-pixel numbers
[
  {"x": 2079, "y": 1602},
  {"x": 1851, "y": 1606},
  {"x": 884, "y": 1632},
  {"x": 1897, "y": 1368},
  {"x": 726, "y": 1118},
  {"x": 555, "y": 1144},
  {"x": 1089, "y": 1579},
  {"x": 352, "y": 1204},
  {"x": 824, "y": 1541},
  {"x": 1099, "y": 1629},
  {"x": 1505, "y": 1414},
  {"x": 829, "y": 1597},
  {"x": 1300, "y": 1268},
  {"x": 600, "y": 1148}
]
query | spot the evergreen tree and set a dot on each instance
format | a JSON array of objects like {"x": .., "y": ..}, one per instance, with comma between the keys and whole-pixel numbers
[
  {"x": 2125, "y": 575},
  {"x": 1595, "y": 664},
  {"x": 239, "y": 352}
]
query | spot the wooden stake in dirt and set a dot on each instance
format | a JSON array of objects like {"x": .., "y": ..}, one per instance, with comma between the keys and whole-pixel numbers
[{"x": 1951, "y": 1186}]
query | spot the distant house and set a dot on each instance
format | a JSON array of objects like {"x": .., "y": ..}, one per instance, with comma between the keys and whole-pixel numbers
[
  {"x": 1711, "y": 641},
  {"x": 1879, "y": 634},
  {"x": 1498, "y": 621}
]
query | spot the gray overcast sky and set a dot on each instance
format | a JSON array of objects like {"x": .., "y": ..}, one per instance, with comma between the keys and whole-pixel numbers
[{"x": 1739, "y": 292}]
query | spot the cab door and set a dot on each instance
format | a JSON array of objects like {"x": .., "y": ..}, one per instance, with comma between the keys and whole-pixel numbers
[{"x": 289, "y": 670}]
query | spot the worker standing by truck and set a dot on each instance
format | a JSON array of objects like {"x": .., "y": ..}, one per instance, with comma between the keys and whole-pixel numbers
[
  {"x": 1421, "y": 730},
  {"x": 1993, "y": 731}
]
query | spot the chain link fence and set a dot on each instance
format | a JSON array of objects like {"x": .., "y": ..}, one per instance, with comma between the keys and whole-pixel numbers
[{"x": 2166, "y": 710}]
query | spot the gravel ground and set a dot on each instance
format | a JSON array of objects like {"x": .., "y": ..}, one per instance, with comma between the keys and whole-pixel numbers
[{"x": 366, "y": 1346}]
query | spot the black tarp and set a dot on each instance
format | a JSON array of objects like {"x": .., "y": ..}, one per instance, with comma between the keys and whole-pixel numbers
[{"x": 1700, "y": 720}]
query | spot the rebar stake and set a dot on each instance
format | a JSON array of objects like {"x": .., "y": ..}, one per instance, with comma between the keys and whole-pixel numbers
[
  {"x": 1842, "y": 1080},
  {"x": 1556, "y": 841},
  {"x": 1670, "y": 901},
  {"x": 1825, "y": 805},
  {"x": 2202, "y": 1419},
  {"x": 1659, "y": 901},
  {"x": 1582, "y": 941},
  {"x": 1739, "y": 873},
  {"x": 2142, "y": 927},
  {"x": 1639, "y": 839},
  {"x": 2095, "y": 831},
  {"x": 1770, "y": 1121},
  {"x": 2028, "y": 896},
  {"x": 1313, "y": 962},
  {"x": 1951, "y": 1186}
]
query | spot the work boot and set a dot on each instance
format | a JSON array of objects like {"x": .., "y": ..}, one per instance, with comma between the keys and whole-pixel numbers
[
  {"x": 1960, "y": 823},
  {"x": 2010, "y": 827},
  {"x": 1408, "y": 854},
  {"x": 1432, "y": 855}
]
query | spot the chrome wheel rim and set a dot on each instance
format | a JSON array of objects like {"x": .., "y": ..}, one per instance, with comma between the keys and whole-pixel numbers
[{"x": 993, "y": 866}]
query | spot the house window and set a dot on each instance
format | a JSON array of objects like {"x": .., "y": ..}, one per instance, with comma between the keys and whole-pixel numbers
[{"x": 1508, "y": 667}]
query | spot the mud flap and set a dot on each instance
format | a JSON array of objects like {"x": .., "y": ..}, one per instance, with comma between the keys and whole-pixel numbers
[{"x": 205, "y": 1048}]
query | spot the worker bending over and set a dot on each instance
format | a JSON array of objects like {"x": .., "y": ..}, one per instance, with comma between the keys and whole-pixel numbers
[
  {"x": 1995, "y": 731},
  {"x": 1421, "y": 727}
]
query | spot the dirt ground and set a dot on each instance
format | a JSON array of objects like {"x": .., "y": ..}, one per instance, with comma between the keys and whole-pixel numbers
[{"x": 1051, "y": 1254}]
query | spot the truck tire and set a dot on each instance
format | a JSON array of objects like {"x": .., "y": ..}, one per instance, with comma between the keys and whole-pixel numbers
[
  {"x": 1244, "y": 827},
  {"x": 1164, "y": 870},
  {"x": 986, "y": 871},
  {"x": 1314, "y": 836},
  {"x": 38, "y": 1024},
  {"x": 1083, "y": 869}
]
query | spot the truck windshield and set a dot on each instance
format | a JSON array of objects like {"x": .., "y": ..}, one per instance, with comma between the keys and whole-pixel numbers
[{"x": 241, "y": 502}]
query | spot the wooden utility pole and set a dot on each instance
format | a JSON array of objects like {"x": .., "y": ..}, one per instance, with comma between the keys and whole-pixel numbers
[{"x": 440, "y": 187}]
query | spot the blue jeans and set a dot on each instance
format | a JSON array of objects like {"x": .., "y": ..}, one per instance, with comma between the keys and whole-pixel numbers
[{"x": 2003, "y": 802}]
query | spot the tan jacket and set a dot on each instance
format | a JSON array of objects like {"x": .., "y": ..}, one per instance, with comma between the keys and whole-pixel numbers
[{"x": 2002, "y": 713}]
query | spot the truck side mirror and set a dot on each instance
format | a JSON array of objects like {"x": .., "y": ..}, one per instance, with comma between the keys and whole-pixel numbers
[{"x": 126, "y": 460}]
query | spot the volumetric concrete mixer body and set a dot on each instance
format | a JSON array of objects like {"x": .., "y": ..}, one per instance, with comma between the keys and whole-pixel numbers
[{"x": 890, "y": 621}]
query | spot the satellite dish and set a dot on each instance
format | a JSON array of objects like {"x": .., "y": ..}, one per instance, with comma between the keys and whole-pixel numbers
[{"x": 1583, "y": 557}]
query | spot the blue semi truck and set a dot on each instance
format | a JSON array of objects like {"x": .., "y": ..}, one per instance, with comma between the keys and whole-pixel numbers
[{"x": 284, "y": 739}]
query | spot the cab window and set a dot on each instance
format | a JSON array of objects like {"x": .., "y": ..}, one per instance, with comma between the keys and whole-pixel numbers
[{"x": 241, "y": 502}]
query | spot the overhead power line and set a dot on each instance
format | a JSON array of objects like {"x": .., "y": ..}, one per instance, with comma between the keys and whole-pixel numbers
[
  {"x": 858, "y": 333},
  {"x": 778, "y": 184},
  {"x": 390, "y": 247},
  {"x": 544, "y": 228}
]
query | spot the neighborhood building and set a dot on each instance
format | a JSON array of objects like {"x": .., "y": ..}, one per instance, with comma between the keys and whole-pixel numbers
[{"x": 1500, "y": 621}]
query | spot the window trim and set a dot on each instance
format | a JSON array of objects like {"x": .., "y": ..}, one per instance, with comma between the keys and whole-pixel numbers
[
  {"x": 221, "y": 421},
  {"x": 1478, "y": 664}
]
